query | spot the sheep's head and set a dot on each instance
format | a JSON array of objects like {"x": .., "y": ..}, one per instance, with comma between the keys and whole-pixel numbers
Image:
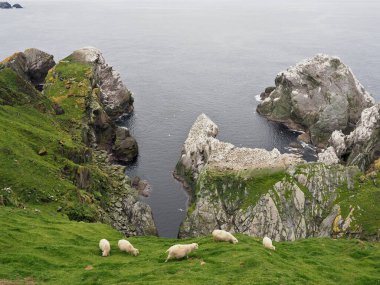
[
  {"x": 194, "y": 245},
  {"x": 105, "y": 253},
  {"x": 234, "y": 240},
  {"x": 135, "y": 252},
  {"x": 273, "y": 247}
]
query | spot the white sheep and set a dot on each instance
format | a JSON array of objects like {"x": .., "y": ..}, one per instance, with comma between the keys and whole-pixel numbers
[
  {"x": 126, "y": 246},
  {"x": 105, "y": 247},
  {"x": 221, "y": 235},
  {"x": 180, "y": 250},
  {"x": 267, "y": 243}
]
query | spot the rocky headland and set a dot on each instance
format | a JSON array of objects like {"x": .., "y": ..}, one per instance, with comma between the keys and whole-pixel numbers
[
  {"x": 265, "y": 193},
  {"x": 69, "y": 139}
]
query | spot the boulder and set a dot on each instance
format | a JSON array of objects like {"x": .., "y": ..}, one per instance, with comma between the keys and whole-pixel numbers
[
  {"x": 18, "y": 6},
  {"x": 317, "y": 96},
  {"x": 38, "y": 64},
  {"x": 362, "y": 146},
  {"x": 125, "y": 146},
  {"x": 32, "y": 65},
  {"x": 5, "y": 5}
]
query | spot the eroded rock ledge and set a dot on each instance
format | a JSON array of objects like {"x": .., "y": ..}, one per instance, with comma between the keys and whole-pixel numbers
[
  {"x": 262, "y": 193},
  {"x": 201, "y": 148},
  {"x": 317, "y": 96}
]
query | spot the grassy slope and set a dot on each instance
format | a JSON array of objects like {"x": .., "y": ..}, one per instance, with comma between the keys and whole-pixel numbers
[
  {"x": 53, "y": 250},
  {"x": 28, "y": 125}
]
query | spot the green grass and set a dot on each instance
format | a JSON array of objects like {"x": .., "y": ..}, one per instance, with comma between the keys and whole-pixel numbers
[
  {"x": 365, "y": 198},
  {"x": 16, "y": 91},
  {"x": 245, "y": 187},
  {"x": 50, "y": 249},
  {"x": 28, "y": 125}
]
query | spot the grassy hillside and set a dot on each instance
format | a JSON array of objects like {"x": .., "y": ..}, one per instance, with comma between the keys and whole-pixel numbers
[
  {"x": 41, "y": 159},
  {"x": 47, "y": 248}
]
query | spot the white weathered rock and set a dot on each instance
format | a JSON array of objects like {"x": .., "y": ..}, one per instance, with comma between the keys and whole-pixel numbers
[
  {"x": 328, "y": 156},
  {"x": 201, "y": 148},
  {"x": 319, "y": 95}
]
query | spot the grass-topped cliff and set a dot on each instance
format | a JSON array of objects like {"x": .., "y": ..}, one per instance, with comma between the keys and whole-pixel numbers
[
  {"x": 45, "y": 247},
  {"x": 53, "y": 147}
]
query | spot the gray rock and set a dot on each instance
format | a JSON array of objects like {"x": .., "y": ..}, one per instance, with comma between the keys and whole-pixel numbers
[
  {"x": 18, "y": 6},
  {"x": 32, "y": 65},
  {"x": 362, "y": 146},
  {"x": 328, "y": 156},
  {"x": 125, "y": 146},
  {"x": 318, "y": 96},
  {"x": 38, "y": 64},
  {"x": 5, "y": 5}
]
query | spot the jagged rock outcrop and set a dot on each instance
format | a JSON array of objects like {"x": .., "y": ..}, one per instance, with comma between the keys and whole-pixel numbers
[
  {"x": 201, "y": 148},
  {"x": 101, "y": 94},
  {"x": 318, "y": 96},
  {"x": 362, "y": 146},
  {"x": 256, "y": 196},
  {"x": 5, "y": 5},
  {"x": 125, "y": 212},
  {"x": 115, "y": 97},
  {"x": 32, "y": 65}
]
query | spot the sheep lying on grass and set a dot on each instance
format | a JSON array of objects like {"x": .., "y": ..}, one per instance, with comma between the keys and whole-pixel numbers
[
  {"x": 105, "y": 247},
  {"x": 180, "y": 250},
  {"x": 126, "y": 246},
  {"x": 267, "y": 243},
  {"x": 221, "y": 235}
]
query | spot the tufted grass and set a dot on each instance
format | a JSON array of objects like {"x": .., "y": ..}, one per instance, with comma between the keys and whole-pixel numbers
[{"x": 47, "y": 248}]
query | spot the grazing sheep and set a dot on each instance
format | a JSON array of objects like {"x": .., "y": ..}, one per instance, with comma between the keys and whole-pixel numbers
[
  {"x": 125, "y": 245},
  {"x": 180, "y": 250},
  {"x": 221, "y": 235},
  {"x": 105, "y": 247},
  {"x": 267, "y": 243}
]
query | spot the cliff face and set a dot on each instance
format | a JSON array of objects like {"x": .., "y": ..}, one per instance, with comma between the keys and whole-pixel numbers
[
  {"x": 272, "y": 195},
  {"x": 57, "y": 146},
  {"x": 318, "y": 96},
  {"x": 362, "y": 146},
  {"x": 89, "y": 90}
]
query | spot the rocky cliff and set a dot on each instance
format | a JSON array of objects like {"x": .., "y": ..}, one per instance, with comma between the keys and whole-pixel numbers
[
  {"x": 57, "y": 147},
  {"x": 317, "y": 96},
  {"x": 84, "y": 82},
  {"x": 265, "y": 193}
]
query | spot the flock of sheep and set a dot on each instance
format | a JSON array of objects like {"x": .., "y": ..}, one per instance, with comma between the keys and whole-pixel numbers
[{"x": 179, "y": 250}]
